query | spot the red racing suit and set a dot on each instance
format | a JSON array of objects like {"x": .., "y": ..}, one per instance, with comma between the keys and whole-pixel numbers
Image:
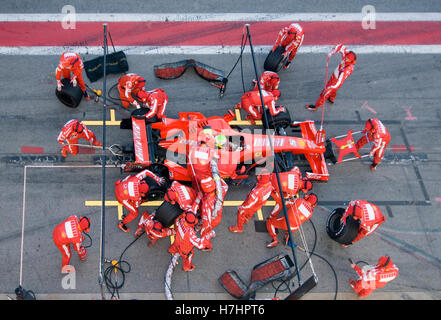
[
  {"x": 373, "y": 277},
  {"x": 128, "y": 194},
  {"x": 207, "y": 180},
  {"x": 148, "y": 223},
  {"x": 256, "y": 198},
  {"x": 128, "y": 85},
  {"x": 369, "y": 215},
  {"x": 298, "y": 210},
  {"x": 251, "y": 103},
  {"x": 65, "y": 68},
  {"x": 376, "y": 133},
  {"x": 66, "y": 233},
  {"x": 341, "y": 73},
  {"x": 69, "y": 137},
  {"x": 269, "y": 81},
  {"x": 290, "y": 38},
  {"x": 183, "y": 195},
  {"x": 185, "y": 241},
  {"x": 157, "y": 101}
]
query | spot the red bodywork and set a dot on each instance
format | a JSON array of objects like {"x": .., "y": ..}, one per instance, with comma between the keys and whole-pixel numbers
[{"x": 179, "y": 135}]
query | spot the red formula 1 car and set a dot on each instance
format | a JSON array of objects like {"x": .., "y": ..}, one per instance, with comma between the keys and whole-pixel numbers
[{"x": 166, "y": 145}]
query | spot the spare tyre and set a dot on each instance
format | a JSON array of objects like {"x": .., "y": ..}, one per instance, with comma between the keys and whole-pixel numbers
[
  {"x": 283, "y": 119},
  {"x": 69, "y": 95},
  {"x": 339, "y": 232},
  {"x": 274, "y": 61},
  {"x": 167, "y": 213}
]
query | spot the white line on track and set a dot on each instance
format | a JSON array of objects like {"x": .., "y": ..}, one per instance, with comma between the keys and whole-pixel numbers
[
  {"x": 204, "y": 17},
  {"x": 206, "y": 50},
  {"x": 24, "y": 201}
]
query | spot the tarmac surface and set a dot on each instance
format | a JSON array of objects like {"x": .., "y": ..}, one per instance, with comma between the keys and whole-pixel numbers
[{"x": 402, "y": 90}]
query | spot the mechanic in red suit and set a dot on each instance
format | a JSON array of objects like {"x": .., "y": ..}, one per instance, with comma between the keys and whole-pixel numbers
[
  {"x": 376, "y": 133},
  {"x": 298, "y": 210},
  {"x": 290, "y": 38},
  {"x": 73, "y": 131},
  {"x": 156, "y": 100},
  {"x": 369, "y": 214},
  {"x": 206, "y": 179},
  {"x": 252, "y": 104},
  {"x": 70, "y": 232},
  {"x": 373, "y": 277},
  {"x": 130, "y": 85},
  {"x": 341, "y": 73},
  {"x": 266, "y": 186},
  {"x": 71, "y": 62},
  {"x": 186, "y": 239},
  {"x": 130, "y": 193},
  {"x": 269, "y": 81},
  {"x": 153, "y": 229}
]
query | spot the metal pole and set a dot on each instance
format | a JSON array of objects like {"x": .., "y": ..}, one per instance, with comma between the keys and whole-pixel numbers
[
  {"x": 103, "y": 155},
  {"x": 272, "y": 153}
]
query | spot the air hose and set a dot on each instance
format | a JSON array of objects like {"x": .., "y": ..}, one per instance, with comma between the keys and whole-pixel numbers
[
  {"x": 117, "y": 267},
  {"x": 312, "y": 252}
]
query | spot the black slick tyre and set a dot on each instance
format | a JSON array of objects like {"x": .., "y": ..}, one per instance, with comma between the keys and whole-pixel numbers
[
  {"x": 69, "y": 95},
  {"x": 167, "y": 213},
  {"x": 343, "y": 234},
  {"x": 274, "y": 61}
]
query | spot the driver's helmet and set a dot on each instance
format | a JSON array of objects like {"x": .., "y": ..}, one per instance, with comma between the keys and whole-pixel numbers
[{"x": 220, "y": 141}]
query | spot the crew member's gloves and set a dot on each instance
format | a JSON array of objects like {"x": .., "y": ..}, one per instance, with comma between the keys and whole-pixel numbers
[
  {"x": 74, "y": 81},
  {"x": 59, "y": 85},
  {"x": 160, "y": 181},
  {"x": 136, "y": 104}
]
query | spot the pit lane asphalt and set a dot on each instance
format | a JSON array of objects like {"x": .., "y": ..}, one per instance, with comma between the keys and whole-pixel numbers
[{"x": 406, "y": 185}]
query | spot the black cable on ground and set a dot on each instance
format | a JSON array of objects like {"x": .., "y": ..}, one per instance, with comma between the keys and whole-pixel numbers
[
  {"x": 312, "y": 252},
  {"x": 242, "y": 48},
  {"x": 115, "y": 274},
  {"x": 90, "y": 239}
]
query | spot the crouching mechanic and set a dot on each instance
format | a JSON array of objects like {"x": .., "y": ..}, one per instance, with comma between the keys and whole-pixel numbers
[
  {"x": 269, "y": 81},
  {"x": 298, "y": 211},
  {"x": 70, "y": 232},
  {"x": 186, "y": 239},
  {"x": 369, "y": 214},
  {"x": 376, "y": 133},
  {"x": 372, "y": 278},
  {"x": 71, "y": 62},
  {"x": 131, "y": 191},
  {"x": 251, "y": 103},
  {"x": 156, "y": 100},
  {"x": 341, "y": 73},
  {"x": 130, "y": 85},
  {"x": 266, "y": 186},
  {"x": 290, "y": 38},
  {"x": 153, "y": 229},
  {"x": 73, "y": 131}
]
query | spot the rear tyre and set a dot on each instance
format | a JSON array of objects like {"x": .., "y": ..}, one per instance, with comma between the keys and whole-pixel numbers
[
  {"x": 167, "y": 213},
  {"x": 339, "y": 232},
  {"x": 274, "y": 61},
  {"x": 281, "y": 120},
  {"x": 69, "y": 95}
]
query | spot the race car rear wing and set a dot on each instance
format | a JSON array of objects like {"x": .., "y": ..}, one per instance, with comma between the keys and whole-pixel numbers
[
  {"x": 142, "y": 140},
  {"x": 316, "y": 160}
]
